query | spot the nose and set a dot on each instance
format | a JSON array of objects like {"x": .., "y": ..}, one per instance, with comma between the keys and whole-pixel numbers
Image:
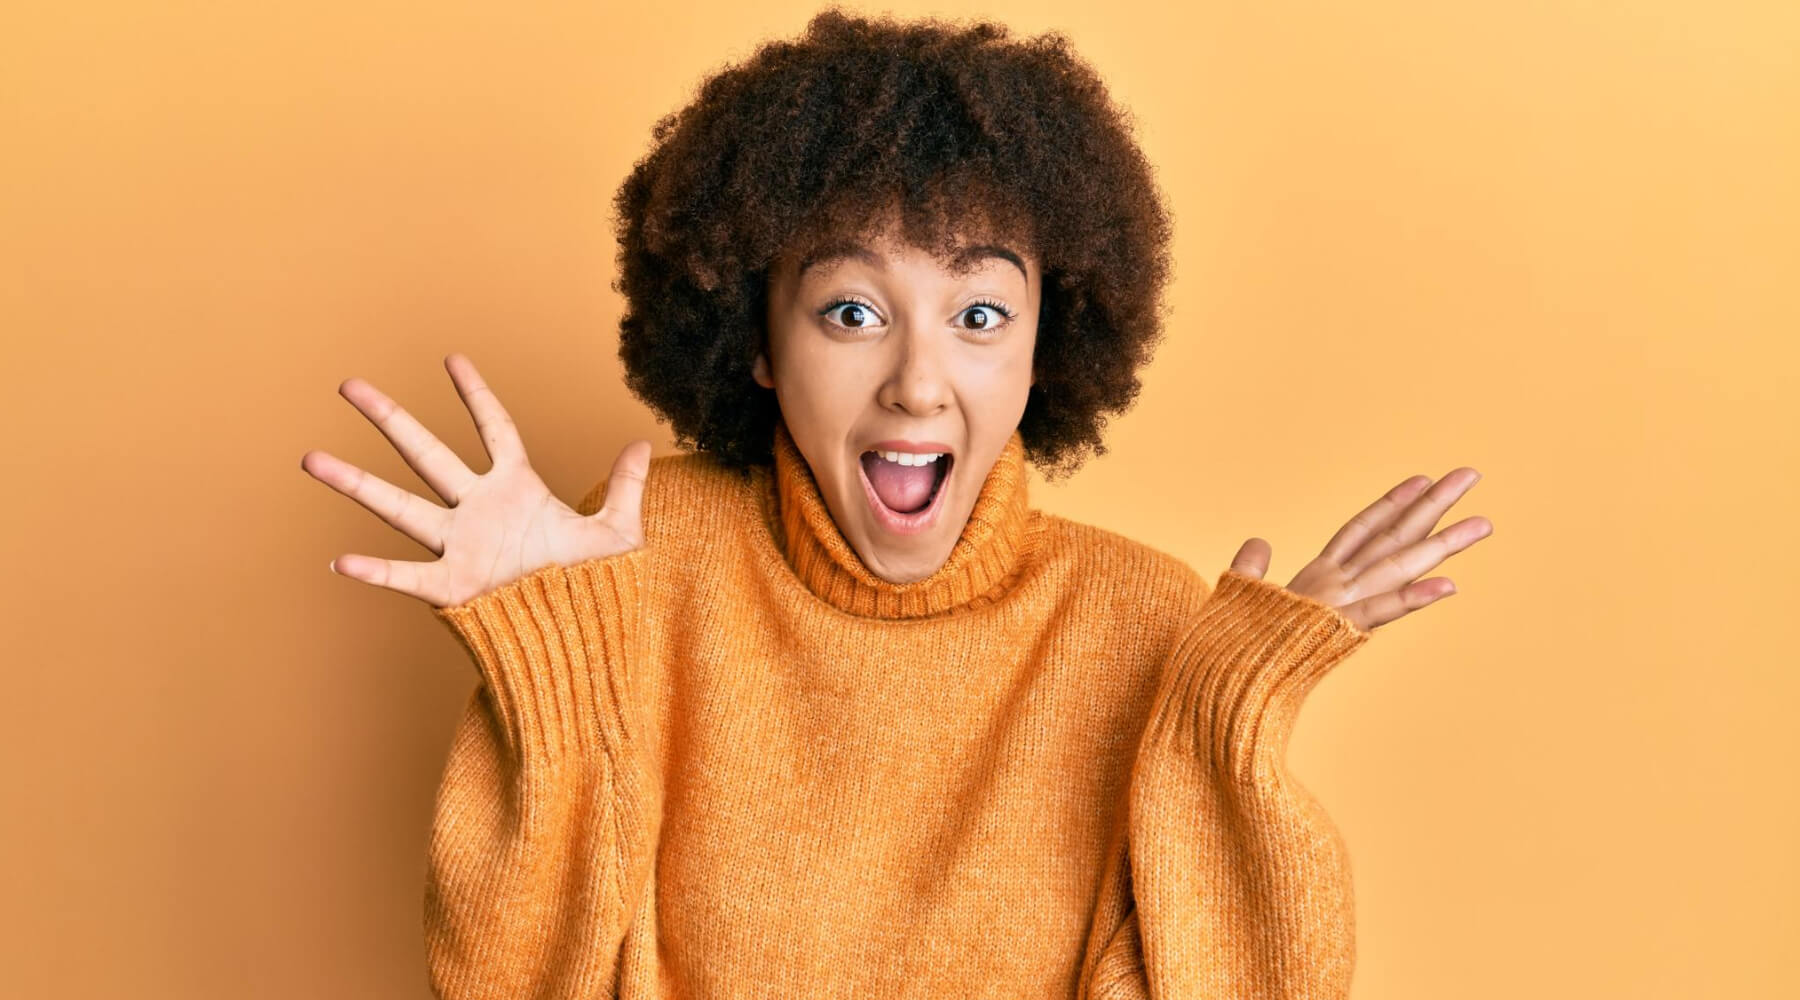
[{"x": 916, "y": 381}]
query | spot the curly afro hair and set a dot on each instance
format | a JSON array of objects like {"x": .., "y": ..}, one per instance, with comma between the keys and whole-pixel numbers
[{"x": 953, "y": 130}]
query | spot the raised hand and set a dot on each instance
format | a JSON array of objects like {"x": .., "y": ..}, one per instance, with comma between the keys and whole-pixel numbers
[
  {"x": 500, "y": 525},
  {"x": 1370, "y": 569}
]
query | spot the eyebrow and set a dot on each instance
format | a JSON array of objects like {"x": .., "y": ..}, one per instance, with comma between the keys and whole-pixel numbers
[{"x": 831, "y": 253}]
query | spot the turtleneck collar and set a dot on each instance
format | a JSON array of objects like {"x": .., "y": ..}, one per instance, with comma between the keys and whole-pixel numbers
[{"x": 999, "y": 536}]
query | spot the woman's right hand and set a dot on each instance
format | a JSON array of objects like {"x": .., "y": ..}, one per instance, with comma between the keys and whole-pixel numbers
[{"x": 500, "y": 525}]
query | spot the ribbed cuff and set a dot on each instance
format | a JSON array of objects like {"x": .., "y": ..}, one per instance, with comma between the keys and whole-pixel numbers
[
  {"x": 556, "y": 647},
  {"x": 1242, "y": 669}
]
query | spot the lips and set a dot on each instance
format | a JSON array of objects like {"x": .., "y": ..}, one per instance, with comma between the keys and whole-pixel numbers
[{"x": 907, "y": 523}]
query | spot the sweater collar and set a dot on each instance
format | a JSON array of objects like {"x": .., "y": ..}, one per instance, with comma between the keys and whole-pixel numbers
[{"x": 1000, "y": 533}]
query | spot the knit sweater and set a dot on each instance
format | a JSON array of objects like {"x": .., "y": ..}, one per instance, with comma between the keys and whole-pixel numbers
[{"x": 735, "y": 763}]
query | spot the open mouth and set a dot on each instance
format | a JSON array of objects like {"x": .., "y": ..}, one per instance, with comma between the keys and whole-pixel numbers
[{"x": 904, "y": 497}]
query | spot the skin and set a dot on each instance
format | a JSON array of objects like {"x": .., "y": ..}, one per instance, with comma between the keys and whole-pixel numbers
[
  {"x": 504, "y": 523},
  {"x": 917, "y": 359},
  {"x": 1370, "y": 569},
  {"x": 496, "y": 526},
  {"x": 914, "y": 358},
  {"x": 907, "y": 367}
]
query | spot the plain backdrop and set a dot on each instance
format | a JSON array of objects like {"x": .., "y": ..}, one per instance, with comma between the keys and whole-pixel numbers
[{"x": 1556, "y": 241}]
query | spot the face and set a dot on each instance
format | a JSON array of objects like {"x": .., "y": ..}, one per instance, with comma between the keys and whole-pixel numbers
[{"x": 884, "y": 348}]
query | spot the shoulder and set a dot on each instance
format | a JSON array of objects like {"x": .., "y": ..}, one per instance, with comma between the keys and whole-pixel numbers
[{"x": 1136, "y": 574}]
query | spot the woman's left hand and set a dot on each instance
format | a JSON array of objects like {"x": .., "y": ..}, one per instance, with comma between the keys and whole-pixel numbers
[{"x": 1370, "y": 570}]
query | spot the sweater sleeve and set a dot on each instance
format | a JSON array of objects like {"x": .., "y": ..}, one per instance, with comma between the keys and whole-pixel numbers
[
  {"x": 1235, "y": 883},
  {"x": 544, "y": 823}
]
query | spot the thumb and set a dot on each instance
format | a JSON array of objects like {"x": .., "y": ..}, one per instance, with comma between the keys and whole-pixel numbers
[
  {"x": 625, "y": 484},
  {"x": 1252, "y": 558}
]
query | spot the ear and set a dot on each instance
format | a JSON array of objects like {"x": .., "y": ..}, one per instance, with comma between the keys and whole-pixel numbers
[{"x": 759, "y": 370}]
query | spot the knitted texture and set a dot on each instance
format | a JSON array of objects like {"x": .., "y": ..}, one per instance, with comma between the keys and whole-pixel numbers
[{"x": 736, "y": 763}]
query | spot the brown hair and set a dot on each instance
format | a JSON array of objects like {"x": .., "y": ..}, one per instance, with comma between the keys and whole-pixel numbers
[{"x": 958, "y": 129}]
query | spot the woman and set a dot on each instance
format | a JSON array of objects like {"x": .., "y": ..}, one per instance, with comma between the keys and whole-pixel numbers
[{"x": 823, "y": 707}]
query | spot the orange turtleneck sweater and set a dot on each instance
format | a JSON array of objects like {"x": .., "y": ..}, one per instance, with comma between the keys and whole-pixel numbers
[{"x": 735, "y": 763}]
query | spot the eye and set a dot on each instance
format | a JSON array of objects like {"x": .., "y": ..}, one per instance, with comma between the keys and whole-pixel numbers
[
  {"x": 985, "y": 309},
  {"x": 858, "y": 315}
]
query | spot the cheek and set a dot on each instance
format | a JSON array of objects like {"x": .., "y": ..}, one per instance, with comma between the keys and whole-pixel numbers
[
  {"x": 819, "y": 382},
  {"x": 1005, "y": 369},
  {"x": 1003, "y": 384}
]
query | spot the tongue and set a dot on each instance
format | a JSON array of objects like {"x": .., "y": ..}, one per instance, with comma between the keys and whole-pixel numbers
[{"x": 904, "y": 488}]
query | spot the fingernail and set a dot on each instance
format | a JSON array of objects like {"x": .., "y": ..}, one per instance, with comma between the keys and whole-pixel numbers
[{"x": 332, "y": 565}]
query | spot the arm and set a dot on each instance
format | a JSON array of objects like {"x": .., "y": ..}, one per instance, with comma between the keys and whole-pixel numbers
[
  {"x": 1229, "y": 881},
  {"x": 544, "y": 824},
  {"x": 545, "y": 818},
  {"x": 1234, "y": 883}
]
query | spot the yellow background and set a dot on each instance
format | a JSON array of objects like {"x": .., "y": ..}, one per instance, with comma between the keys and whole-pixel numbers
[{"x": 1558, "y": 242}]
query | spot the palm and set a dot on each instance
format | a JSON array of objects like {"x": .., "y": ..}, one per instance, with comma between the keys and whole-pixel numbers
[
  {"x": 1369, "y": 570},
  {"x": 508, "y": 525},
  {"x": 500, "y": 525}
]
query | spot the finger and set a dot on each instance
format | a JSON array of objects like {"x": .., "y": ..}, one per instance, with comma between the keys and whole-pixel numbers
[
  {"x": 420, "y": 520},
  {"x": 414, "y": 579},
  {"x": 1252, "y": 558},
  {"x": 435, "y": 463},
  {"x": 1371, "y": 612},
  {"x": 625, "y": 487},
  {"x": 1372, "y": 518},
  {"x": 499, "y": 435},
  {"x": 1413, "y": 523},
  {"x": 1397, "y": 569}
]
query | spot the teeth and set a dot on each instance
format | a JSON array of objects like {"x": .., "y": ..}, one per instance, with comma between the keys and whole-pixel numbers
[{"x": 908, "y": 458}]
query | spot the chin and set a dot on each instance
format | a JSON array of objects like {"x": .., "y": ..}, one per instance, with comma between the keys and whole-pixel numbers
[
  {"x": 909, "y": 557},
  {"x": 905, "y": 572}
]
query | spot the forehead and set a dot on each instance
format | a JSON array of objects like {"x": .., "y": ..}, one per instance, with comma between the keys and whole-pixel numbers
[{"x": 828, "y": 255}]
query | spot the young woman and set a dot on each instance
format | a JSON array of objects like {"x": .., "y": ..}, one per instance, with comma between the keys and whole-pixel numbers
[{"x": 823, "y": 707}]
